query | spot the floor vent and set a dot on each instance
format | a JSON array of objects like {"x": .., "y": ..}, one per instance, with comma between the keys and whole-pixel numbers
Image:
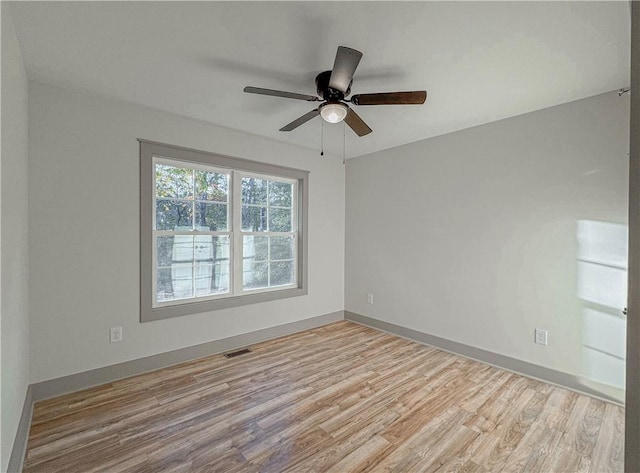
[{"x": 233, "y": 354}]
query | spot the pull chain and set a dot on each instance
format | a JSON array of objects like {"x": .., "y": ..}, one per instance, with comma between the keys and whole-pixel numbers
[
  {"x": 322, "y": 138},
  {"x": 344, "y": 132}
]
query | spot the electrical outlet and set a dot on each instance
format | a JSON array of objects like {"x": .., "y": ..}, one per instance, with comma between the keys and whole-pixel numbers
[
  {"x": 541, "y": 336},
  {"x": 115, "y": 334},
  {"x": 369, "y": 298}
]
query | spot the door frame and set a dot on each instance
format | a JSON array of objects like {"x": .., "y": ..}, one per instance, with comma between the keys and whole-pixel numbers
[{"x": 632, "y": 404}]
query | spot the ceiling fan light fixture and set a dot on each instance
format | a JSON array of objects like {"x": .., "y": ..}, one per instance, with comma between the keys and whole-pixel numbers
[{"x": 334, "y": 112}]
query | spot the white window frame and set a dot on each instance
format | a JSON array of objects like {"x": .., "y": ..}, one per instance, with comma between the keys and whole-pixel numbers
[{"x": 152, "y": 153}]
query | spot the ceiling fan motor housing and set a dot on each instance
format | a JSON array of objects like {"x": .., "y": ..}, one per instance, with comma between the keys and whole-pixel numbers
[{"x": 326, "y": 92}]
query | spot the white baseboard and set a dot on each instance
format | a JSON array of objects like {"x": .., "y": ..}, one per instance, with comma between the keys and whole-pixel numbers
[{"x": 16, "y": 460}]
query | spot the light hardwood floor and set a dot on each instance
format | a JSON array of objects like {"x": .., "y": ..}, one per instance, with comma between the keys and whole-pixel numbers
[{"x": 339, "y": 398}]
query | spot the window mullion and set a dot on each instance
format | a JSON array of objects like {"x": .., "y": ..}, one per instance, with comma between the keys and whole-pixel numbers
[
  {"x": 268, "y": 235},
  {"x": 193, "y": 238},
  {"x": 295, "y": 229},
  {"x": 238, "y": 257},
  {"x": 268, "y": 252}
]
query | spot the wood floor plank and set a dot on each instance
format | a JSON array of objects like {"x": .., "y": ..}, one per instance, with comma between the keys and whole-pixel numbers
[
  {"x": 608, "y": 453},
  {"x": 297, "y": 448},
  {"x": 499, "y": 444},
  {"x": 540, "y": 458},
  {"x": 569, "y": 461},
  {"x": 410, "y": 454},
  {"x": 338, "y": 398},
  {"x": 460, "y": 439},
  {"x": 361, "y": 458}
]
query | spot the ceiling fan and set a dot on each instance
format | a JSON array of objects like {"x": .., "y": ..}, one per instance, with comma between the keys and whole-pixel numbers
[{"x": 333, "y": 87}]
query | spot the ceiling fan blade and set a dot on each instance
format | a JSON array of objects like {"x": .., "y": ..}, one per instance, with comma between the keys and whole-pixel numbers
[
  {"x": 391, "y": 98},
  {"x": 347, "y": 60},
  {"x": 280, "y": 93},
  {"x": 357, "y": 124},
  {"x": 299, "y": 121}
]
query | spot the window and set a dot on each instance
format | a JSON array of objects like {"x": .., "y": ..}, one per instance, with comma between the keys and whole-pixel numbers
[
  {"x": 192, "y": 240},
  {"x": 268, "y": 232},
  {"x": 217, "y": 231}
]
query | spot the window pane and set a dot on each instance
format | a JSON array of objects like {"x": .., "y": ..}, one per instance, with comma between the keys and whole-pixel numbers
[
  {"x": 175, "y": 267},
  {"x": 281, "y": 273},
  {"x": 173, "y": 182},
  {"x": 254, "y": 219},
  {"x": 254, "y": 191},
  {"x": 164, "y": 251},
  {"x": 182, "y": 250},
  {"x": 254, "y": 275},
  {"x": 211, "y": 186},
  {"x": 255, "y": 248},
  {"x": 171, "y": 214},
  {"x": 211, "y": 216},
  {"x": 279, "y": 220},
  {"x": 182, "y": 281},
  {"x": 281, "y": 247},
  {"x": 164, "y": 285},
  {"x": 280, "y": 194},
  {"x": 212, "y": 265},
  {"x": 203, "y": 249}
]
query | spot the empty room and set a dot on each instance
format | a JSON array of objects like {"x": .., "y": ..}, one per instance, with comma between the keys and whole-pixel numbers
[{"x": 320, "y": 237}]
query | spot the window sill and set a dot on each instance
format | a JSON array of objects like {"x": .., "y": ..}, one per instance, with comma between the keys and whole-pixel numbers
[{"x": 149, "y": 314}]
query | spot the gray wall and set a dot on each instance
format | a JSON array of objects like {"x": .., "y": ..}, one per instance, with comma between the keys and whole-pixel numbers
[
  {"x": 84, "y": 175},
  {"x": 482, "y": 235},
  {"x": 14, "y": 308}
]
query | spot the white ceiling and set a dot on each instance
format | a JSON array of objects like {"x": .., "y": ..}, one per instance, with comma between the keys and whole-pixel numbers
[{"x": 479, "y": 61}]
